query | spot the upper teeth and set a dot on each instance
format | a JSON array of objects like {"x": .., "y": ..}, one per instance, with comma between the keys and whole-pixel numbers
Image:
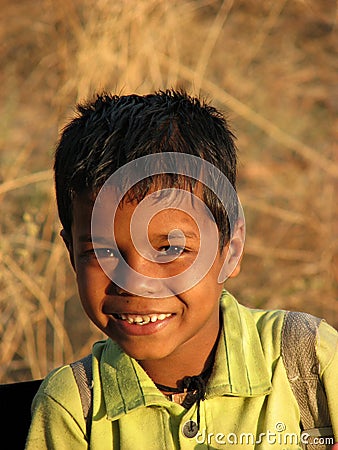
[{"x": 144, "y": 319}]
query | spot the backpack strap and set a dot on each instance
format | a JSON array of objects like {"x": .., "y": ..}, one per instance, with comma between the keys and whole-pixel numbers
[
  {"x": 82, "y": 370},
  {"x": 298, "y": 349}
]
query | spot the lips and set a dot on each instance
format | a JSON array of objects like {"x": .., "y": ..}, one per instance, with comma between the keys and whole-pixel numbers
[{"x": 141, "y": 324}]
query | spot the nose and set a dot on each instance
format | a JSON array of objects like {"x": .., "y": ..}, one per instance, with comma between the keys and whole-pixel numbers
[{"x": 138, "y": 276}]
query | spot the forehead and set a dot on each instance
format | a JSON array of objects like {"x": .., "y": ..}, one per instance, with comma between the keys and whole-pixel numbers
[{"x": 161, "y": 208}]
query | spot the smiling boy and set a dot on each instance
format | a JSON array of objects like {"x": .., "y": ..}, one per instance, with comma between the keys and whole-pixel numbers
[{"x": 183, "y": 362}]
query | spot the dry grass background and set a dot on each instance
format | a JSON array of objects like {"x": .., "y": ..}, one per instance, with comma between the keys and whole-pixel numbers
[{"x": 269, "y": 65}]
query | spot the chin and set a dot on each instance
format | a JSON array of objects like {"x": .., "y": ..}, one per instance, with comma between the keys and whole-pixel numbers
[{"x": 145, "y": 354}]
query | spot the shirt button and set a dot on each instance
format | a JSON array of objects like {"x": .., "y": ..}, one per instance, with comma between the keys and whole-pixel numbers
[{"x": 190, "y": 429}]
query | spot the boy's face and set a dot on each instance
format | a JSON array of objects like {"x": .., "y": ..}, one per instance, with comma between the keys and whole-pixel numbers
[{"x": 148, "y": 316}]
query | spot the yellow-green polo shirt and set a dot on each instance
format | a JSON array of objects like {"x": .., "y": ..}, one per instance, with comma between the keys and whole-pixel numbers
[{"x": 248, "y": 404}]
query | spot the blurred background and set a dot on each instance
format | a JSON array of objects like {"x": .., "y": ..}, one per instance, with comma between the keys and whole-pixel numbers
[{"x": 270, "y": 66}]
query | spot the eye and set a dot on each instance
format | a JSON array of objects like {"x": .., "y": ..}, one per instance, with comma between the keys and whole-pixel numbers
[
  {"x": 171, "y": 250},
  {"x": 104, "y": 253}
]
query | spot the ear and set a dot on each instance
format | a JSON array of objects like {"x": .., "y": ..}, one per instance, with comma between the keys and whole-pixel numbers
[
  {"x": 233, "y": 253},
  {"x": 67, "y": 239}
]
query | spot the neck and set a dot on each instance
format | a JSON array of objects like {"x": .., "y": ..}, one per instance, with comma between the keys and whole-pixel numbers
[{"x": 170, "y": 371}]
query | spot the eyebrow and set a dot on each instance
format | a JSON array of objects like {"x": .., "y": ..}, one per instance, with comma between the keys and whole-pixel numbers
[
  {"x": 102, "y": 240},
  {"x": 97, "y": 239},
  {"x": 189, "y": 235}
]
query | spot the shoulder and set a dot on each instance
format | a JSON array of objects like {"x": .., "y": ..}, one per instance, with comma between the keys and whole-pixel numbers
[
  {"x": 60, "y": 384},
  {"x": 57, "y": 381},
  {"x": 59, "y": 388},
  {"x": 269, "y": 327},
  {"x": 59, "y": 391},
  {"x": 265, "y": 324},
  {"x": 327, "y": 346}
]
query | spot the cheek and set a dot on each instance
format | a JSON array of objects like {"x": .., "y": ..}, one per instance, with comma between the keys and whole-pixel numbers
[
  {"x": 92, "y": 285},
  {"x": 175, "y": 268},
  {"x": 209, "y": 291}
]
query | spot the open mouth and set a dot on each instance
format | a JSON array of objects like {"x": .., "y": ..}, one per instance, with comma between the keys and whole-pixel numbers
[{"x": 143, "y": 319}]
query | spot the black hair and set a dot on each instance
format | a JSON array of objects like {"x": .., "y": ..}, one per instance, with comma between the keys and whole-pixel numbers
[{"x": 113, "y": 130}]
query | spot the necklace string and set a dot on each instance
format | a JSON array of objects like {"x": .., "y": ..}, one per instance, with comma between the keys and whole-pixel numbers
[
  {"x": 196, "y": 384},
  {"x": 187, "y": 383}
]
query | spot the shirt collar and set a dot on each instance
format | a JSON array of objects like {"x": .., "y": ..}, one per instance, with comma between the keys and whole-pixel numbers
[
  {"x": 126, "y": 386},
  {"x": 239, "y": 367}
]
